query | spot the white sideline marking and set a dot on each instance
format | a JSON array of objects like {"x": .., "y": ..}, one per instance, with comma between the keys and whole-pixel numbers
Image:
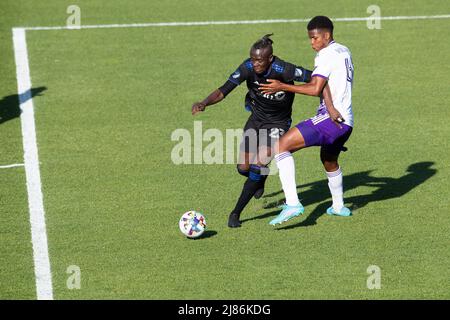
[
  {"x": 42, "y": 272},
  {"x": 14, "y": 165},
  {"x": 235, "y": 22}
]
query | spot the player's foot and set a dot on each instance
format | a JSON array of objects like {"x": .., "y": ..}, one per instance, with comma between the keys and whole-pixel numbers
[
  {"x": 233, "y": 221},
  {"x": 288, "y": 213},
  {"x": 344, "y": 212}
]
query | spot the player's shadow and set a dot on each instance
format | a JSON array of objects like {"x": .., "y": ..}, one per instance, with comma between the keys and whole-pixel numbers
[
  {"x": 385, "y": 188},
  {"x": 9, "y": 105}
]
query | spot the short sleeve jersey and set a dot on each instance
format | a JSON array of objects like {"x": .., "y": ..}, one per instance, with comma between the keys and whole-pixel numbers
[
  {"x": 275, "y": 107},
  {"x": 334, "y": 63}
]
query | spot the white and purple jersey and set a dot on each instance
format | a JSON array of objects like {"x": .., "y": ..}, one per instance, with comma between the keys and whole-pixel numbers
[{"x": 334, "y": 63}]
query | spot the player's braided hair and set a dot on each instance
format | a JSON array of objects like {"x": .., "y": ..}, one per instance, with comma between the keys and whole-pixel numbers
[{"x": 264, "y": 42}]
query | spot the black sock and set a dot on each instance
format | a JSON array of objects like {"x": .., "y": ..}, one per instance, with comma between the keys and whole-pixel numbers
[
  {"x": 260, "y": 191},
  {"x": 249, "y": 189}
]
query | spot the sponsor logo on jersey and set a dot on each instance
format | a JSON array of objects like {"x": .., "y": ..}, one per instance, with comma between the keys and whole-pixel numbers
[{"x": 278, "y": 96}]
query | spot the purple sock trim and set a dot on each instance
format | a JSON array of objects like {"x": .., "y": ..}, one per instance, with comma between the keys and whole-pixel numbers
[{"x": 283, "y": 155}]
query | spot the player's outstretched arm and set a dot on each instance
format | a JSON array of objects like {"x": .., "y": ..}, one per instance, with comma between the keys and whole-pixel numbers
[
  {"x": 313, "y": 88},
  {"x": 215, "y": 97}
]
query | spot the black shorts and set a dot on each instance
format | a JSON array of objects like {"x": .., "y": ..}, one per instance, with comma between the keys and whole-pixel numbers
[{"x": 258, "y": 133}]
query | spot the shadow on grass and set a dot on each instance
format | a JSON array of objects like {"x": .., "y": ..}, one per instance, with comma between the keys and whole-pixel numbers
[
  {"x": 10, "y": 107},
  {"x": 385, "y": 188},
  {"x": 206, "y": 234}
]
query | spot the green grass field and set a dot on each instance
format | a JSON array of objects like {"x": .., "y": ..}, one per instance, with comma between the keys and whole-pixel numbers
[{"x": 107, "y": 101}]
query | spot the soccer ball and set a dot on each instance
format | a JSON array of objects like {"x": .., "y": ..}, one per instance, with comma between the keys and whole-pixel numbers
[{"x": 192, "y": 224}]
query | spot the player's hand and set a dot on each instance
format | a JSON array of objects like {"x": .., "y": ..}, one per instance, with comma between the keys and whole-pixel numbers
[
  {"x": 336, "y": 117},
  {"x": 269, "y": 88},
  {"x": 198, "y": 107}
]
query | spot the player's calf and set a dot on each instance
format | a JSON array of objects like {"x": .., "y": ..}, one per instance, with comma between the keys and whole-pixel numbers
[{"x": 259, "y": 174}]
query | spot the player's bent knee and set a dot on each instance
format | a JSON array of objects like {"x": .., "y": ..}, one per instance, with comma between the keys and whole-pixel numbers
[
  {"x": 281, "y": 146},
  {"x": 331, "y": 166},
  {"x": 292, "y": 141},
  {"x": 243, "y": 170},
  {"x": 258, "y": 172},
  {"x": 285, "y": 145},
  {"x": 329, "y": 161}
]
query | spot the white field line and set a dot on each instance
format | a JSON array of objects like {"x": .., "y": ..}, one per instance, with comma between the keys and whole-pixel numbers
[
  {"x": 14, "y": 165},
  {"x": 44, "y": 289},
  {"x": 232, "y": 22}
]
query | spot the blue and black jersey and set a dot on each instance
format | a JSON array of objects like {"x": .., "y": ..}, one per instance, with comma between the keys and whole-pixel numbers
[{"x": 267, "y": 107}]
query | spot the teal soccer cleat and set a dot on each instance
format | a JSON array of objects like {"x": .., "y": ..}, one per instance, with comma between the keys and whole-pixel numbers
[
  {"x": 288, "y": 213},
  {"x": 345, "y": 212}
]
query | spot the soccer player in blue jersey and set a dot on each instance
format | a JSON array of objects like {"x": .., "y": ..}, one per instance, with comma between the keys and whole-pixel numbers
[
  {"x": 329, "y": 129},
  {"x": 270, "y": 115}
]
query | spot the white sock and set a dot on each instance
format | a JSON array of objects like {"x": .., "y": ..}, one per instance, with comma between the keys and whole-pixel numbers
[
  {"x": 286, "y": 166},
  {"x": 336, "y": 188}
]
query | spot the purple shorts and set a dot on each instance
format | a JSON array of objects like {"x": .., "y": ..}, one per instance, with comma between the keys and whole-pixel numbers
[{"x": 322, "y": 131}]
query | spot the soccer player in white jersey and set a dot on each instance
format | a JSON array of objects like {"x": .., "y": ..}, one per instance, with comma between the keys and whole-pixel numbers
[{"x": 329, "y": 129}]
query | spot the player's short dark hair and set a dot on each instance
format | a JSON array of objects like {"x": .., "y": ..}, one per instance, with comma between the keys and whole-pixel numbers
[
  {"x": 264, "y": 42},
  {"x": 320, "y": 22}
]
